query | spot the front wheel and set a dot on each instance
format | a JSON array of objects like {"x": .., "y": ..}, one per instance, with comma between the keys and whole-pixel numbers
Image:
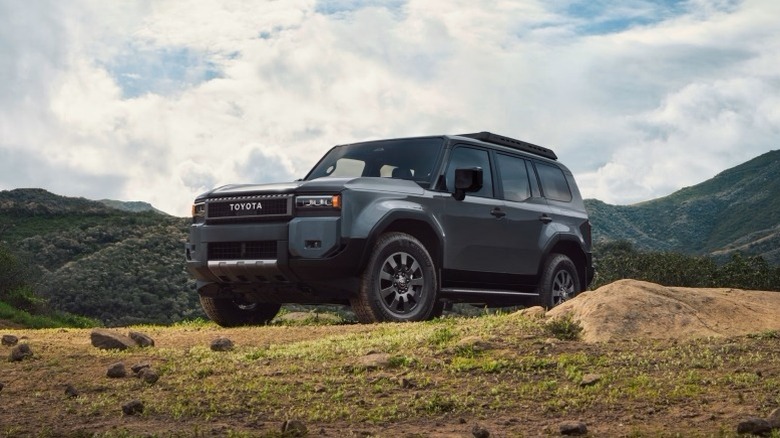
[
  {"x": 399, "y": 282},
  {"x": 559, "y": 281},
  {"x": 229, "y": 312}
]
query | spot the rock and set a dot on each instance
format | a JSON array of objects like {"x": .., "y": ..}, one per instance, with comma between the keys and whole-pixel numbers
[
  {"x": 754, "y": 426},
  {"x": 221, "y": 344},
  {"x": 106, "y": 340},
  {"x": 9, "y": 340},
  {"x": 20, "y": 352},
  {"x": 116, "y": 371},
  {"x": 294, "y": 428},
  {"x": 479, "y": 431},
  {"x": 536, "y": 312},
  {"x": 573, "y": 428},
  {"x": 141, "y": 339},
  {"x": 774, "y": 419},
  {"x": 374, "y": 361},
  {"x": 136, "y": 369},
  {"x": 149, "y": 375},
  {"x": 71, "y": 391},
  {"x": 319, "y": 389},
  {"x": 475, "y": 343},
  {"x": 407, "y": 383},
  {"x": 2, "y": 385},
  {"x": 132, "y": 408},
  {"x": 590, "y": 379}
]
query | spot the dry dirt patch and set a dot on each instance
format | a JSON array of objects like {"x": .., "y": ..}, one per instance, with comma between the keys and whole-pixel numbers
[{"x": 631, "y": 309}]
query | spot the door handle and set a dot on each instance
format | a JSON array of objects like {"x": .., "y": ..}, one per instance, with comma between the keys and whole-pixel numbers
[
  {"x": 497, "y": 213},
  {"x": 545, "y": 219}
]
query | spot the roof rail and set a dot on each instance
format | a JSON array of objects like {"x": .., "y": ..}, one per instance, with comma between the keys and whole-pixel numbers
[{"x": 489, "y": 137}]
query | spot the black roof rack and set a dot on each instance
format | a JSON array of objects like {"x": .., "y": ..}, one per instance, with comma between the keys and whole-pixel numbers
[{"x": 489, "y": 137}]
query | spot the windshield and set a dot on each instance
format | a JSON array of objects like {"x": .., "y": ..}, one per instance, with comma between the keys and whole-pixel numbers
[{"x": 412, "y": 159}]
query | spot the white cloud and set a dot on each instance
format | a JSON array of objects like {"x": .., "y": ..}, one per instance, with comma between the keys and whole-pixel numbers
[{"x": 158, "y": 101}]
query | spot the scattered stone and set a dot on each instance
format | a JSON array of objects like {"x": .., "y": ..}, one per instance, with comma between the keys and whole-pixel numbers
[
  {"x": 754, "y": 426},
  {"x": 774, "y": 419},
  {"x": 141, "y": 339},
  {"x": 479, "y": 431},
  {"x": 319, "y": 389},
  {"x": 221, "y": 344},
  {"x": 374, "y": 361},
  {"x": 107, "y": 340},
  {"x": 294, "y": 428},
  {"x": 132, "y": 408},
  {"x": 407, "y": 383},
  {"x": 71, "y": 391},
  {"x": 590, "y": 379},
  {"x": 9, "y": 340},
  {"x": 475, "y": 343},
  {"x": 136, "y": 369},
  {"x": 536, "y": 312},
  {"x": 20, "y": 352},
  {"x": 116, "y": 371},
  {"x": 573, "y": 428},
  {"x": 149, "y": 376}
]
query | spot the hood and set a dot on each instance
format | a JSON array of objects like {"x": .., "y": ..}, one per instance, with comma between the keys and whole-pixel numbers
[{"x": 319, "y": 185}]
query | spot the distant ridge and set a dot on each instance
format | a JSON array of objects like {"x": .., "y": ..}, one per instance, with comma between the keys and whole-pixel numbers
[
  {"x": 737, "y": 210},
  {"x": 131, "y": 206}
]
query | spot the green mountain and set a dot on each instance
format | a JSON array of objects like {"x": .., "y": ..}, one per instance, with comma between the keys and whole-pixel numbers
[
  {"x": 89, "y": 258},
  {"x": 737, "y": 210}
]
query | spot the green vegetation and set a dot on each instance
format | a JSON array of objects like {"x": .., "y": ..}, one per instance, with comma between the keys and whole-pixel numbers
[
  {"x": 19, "y": 304},
  {"x": 618, "y": 260},
  {"x": 564, "y": 328},
  {"x": 87, "y": 258}
]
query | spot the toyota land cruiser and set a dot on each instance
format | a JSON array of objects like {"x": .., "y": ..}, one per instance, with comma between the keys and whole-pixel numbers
[{"x": 397, "y": 229}]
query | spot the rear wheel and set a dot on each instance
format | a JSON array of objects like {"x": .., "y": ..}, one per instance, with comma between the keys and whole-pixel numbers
[
  {"x": 398, "y": 283},
  {"x": 234, "y": 312},
  {"x": 559, "y": 281}
]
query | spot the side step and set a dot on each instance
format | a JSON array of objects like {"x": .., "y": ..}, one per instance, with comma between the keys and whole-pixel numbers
[{"x": 455, "y": 291}]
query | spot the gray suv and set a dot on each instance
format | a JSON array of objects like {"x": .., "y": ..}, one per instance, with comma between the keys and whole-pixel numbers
[{"x": 398, "y": 229}]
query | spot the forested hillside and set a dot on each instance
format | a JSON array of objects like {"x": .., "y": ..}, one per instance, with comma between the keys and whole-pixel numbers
[
  {"x": 106, "y": 262},
  {"x": 737, "y": 210}
]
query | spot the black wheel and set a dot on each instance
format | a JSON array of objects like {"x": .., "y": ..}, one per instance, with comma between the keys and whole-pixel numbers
[
  {"x": 229, "y": 312},
  {"x": 398, "y": 283},
  {"x": 559, "y": 281}
]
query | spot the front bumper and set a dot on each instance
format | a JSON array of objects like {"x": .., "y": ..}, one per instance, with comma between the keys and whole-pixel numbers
[{"x": 304, "y": 254}]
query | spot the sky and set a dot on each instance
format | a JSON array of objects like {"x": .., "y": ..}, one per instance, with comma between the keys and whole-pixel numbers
[{"x": 161, "y": 100}]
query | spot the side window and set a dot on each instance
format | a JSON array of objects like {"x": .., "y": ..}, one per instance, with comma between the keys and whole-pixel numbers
[
  {"x": 514, "y": 178},
  {"x": 554, "y": 185},
  {"x": 462, "y": 157}
]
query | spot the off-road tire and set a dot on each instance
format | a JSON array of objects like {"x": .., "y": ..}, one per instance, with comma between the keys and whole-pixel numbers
[
  {"x": 230, "y": 313},
  {"x": 398, "y": 283},
  {"x": 559, "y": 281}
]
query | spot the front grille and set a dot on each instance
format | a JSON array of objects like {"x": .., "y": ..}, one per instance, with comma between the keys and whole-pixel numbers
[
  {"x": 257, "y": 250},
  {"x": 247, "y": 207}
]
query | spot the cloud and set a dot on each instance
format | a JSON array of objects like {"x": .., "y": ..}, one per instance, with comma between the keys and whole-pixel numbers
[{"x": 159, "y": 101}]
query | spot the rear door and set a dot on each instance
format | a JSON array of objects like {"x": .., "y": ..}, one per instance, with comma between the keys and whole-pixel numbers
[{"x": 527, "y": 215}]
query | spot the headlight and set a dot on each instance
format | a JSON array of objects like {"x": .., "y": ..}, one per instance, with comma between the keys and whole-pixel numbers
[
  {"x": 318, "y": 202},
  {"x": 198, "y": 212}
]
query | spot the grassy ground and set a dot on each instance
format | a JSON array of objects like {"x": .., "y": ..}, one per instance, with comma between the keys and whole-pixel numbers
[{"x": 506, "y": 373}]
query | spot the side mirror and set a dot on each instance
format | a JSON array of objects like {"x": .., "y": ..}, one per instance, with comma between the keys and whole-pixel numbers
[{"x": 467, "y": 180}]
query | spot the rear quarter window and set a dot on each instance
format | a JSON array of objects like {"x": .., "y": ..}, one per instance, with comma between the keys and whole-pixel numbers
[{"x": 554, "y": 185}]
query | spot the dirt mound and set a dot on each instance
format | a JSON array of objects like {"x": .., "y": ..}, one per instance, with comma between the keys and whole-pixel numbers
[{"x": 630, "y": 309}]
